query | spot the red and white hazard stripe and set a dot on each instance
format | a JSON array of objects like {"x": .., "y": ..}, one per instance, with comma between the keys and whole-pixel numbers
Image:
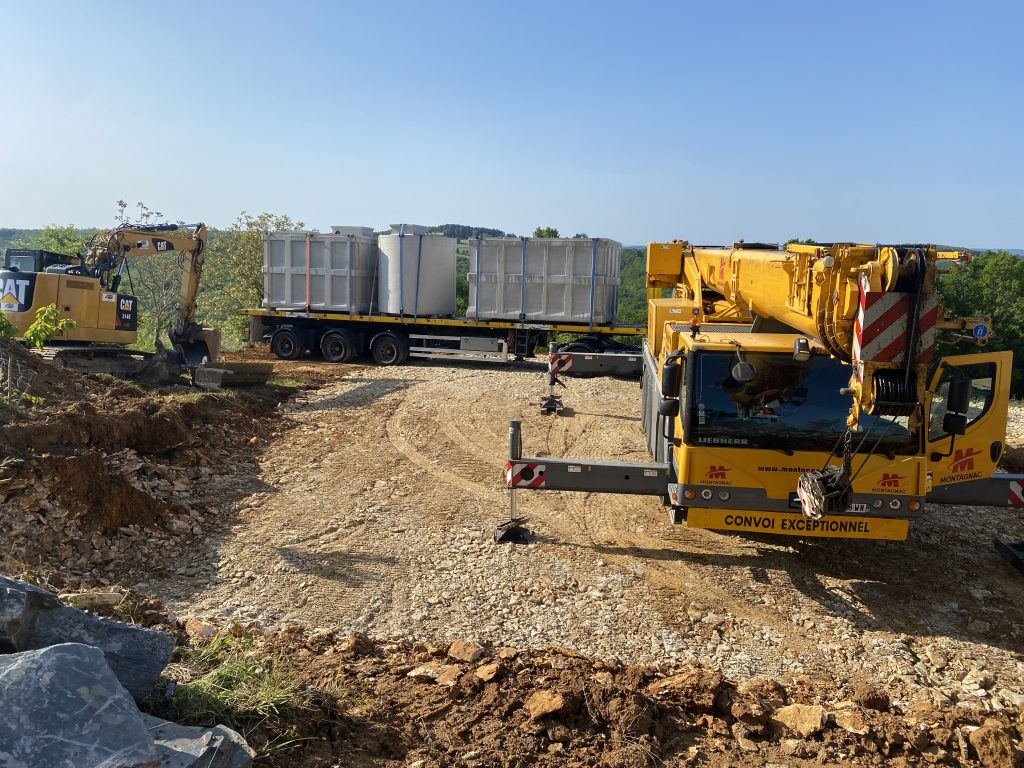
[
  {"x": 524, "y": 475},
  {"x": 560, "y": 363},
  {"x": 1016, "y": 494},
  {"x": 880, "y": 329}
]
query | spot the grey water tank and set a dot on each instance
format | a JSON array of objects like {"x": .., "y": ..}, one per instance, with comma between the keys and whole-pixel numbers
[
  {"x": 572, "y": 280},
  {"x": 417, "y": 272},
  {"x": 331, "y": 272}
]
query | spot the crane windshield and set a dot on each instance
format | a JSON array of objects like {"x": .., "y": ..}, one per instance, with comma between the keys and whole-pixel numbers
[{"x": 787, "y": 404}]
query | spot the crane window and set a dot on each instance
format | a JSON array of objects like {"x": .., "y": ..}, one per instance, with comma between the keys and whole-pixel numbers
[{"x": 788, "y": 404}]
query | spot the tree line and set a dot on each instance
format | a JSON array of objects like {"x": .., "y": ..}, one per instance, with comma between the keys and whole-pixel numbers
[{"x": 992, "y": 283}]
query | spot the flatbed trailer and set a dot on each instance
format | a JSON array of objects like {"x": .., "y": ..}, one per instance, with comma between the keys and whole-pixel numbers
[{"x": 393, "y": 339}]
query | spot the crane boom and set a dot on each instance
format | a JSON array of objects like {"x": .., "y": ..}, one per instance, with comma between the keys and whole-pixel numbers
[{"x": 870, "y": 305}]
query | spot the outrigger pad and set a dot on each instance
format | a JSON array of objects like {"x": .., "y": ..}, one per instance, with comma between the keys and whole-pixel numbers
[
  {"x": 1013, "y": 551},
  {"x": 551, "y": 405},
  {"x": 513, "y": 532}
]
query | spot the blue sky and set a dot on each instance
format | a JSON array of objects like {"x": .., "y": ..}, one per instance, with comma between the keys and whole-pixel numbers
[{"x": 638, "y": 121}]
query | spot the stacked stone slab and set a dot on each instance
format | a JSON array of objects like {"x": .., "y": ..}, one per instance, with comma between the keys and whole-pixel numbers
[{"x": 69, "y": 683}]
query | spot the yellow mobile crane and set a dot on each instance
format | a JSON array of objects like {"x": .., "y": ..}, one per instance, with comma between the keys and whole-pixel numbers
[
  {"x": 797, "y": 391},
  {"x": 88, "y": 289}
]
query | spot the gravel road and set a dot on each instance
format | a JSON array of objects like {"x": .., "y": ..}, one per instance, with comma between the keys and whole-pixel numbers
[{"x": 373, "y": 507}]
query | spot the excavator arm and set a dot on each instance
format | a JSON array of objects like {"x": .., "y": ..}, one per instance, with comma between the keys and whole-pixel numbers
[{"x": 107, "y": 258}]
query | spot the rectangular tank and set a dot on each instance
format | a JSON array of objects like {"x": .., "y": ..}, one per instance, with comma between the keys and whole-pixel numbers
[
  {"x": 332, "y": 271},
  {"x": 543, "y": 279},
  {"x": 417, "y": 272}
]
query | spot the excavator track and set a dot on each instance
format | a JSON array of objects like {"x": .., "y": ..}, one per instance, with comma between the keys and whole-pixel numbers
[{"x": 115, "y": 361}]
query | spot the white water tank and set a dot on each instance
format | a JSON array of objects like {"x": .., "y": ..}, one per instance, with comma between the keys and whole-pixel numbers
[
  {"x": 567, "y": 280},
  {"x": 331, "y": 272},
  {"x": 417, "y": 272}
]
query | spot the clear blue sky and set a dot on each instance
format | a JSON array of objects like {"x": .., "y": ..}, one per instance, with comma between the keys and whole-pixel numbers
[{"x": 877, "y": 121}]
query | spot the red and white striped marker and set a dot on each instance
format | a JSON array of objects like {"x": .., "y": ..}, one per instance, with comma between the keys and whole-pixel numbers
[
  {"x": 524, "y": 475},
  {"x": 880, "y": 329},
  {"x": 1016, "y": 495},
  {"x": 560, "y": 363}
]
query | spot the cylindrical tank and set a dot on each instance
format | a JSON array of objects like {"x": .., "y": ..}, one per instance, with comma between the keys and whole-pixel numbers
[{"x": 417, "y": 272}]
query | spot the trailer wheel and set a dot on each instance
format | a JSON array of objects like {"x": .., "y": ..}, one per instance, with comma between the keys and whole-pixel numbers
[
  {"x": 389, "y": 349},
  {"x": 337, "y": 347},
  {"x": 577, "y": 346},
  {"x": 286, "y": 344}
]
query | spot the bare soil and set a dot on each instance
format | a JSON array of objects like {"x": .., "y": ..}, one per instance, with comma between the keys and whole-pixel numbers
[{"x": 365, "y": 501}]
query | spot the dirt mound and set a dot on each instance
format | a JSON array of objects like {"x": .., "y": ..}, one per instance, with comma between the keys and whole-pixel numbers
[
  {"x": 103, "y": 478},
  {"x": 391, "y": 704}
]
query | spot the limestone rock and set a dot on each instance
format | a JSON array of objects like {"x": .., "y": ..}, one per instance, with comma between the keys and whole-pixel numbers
[
  {"x": 63, "y": 706},
  {"x": 542, "y": 703},
  {"x": 181, "y": 746},
  {"x": 692, "y": 688},
  {"x": 135, "y": 654},
  {"x": 487, "y": 672},
  {"x": 851, "y": 720},
  {"x": 803, "y": 720},
  {"x": 994, "y": 744},
  {"x": 20, "y": 603},
  {"x": 199, "y": 628},
  {"x": 432, "y": 672},
  {"x": 466, "y": 650},
  {"x": 32, "y": 618}
]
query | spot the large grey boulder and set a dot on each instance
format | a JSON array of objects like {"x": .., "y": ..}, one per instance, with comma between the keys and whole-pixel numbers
[
  {"x": 20, "y": 603},
  {"x": 32, "y": 618},
  {"x": 182, "y": 746},
  {"x": 62, "y": 707}
]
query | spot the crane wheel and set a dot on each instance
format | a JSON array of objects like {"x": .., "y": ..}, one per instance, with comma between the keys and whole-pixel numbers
[
  {"x": 286, "y": 344},
  {"x": 337, "y": 347},
  {"x": 389, "y": 349}
]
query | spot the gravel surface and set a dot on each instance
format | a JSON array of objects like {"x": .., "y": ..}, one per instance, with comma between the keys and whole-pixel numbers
[{"x": 374, "y": 502}]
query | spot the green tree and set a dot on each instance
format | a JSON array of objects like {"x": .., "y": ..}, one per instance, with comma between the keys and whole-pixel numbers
[
  {"x": 233, "y": 271},
  {"x": 990, "y": 284},
  {"x": 545, "y": 232},
  {"x": 59, "y": 239}
]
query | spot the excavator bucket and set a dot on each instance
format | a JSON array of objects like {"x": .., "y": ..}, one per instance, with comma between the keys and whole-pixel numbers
[
  {"x": 230, "y": 374},
  {"x": 202, "y": 347}
]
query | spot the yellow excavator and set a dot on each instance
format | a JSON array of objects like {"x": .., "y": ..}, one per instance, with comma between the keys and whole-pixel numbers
[{"x": 88, "y": 289}]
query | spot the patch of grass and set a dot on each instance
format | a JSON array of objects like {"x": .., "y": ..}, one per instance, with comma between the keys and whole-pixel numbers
[
  {"x": 226, "y": 681},
  {"x": 291, "y": 382}
]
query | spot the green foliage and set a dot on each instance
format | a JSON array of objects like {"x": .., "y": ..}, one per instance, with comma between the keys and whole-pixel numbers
[
  {"x": 808, "y": 241},
  {"x": 233, "y": 272},
  {"x": 461, "y": 285},
  {"x": 7, "y": 329},
  {"x": 465, "y": 232},
  {"x": 47, "y": 326},
  {"x": 55, "y": 237},
  {"x": 227, "y": 682},
  {"x": 545, "y": 232},
  {"x": 63, "y": 239},
  {"x": 632, "y": 308},
  {"x": 991, "y": 284}
]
